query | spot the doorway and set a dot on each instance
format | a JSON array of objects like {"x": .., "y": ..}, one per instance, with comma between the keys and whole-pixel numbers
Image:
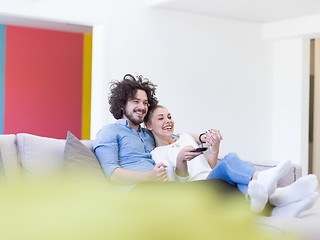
[
  {"x": 41, "y": 63},
  {"x": 314, "y": 108}
]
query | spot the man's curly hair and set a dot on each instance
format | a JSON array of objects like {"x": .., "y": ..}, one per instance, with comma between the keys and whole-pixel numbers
[{"x": 122, "y": 91}]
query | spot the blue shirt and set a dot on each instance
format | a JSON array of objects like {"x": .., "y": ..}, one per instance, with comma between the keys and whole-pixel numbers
[{"x": 118, "y": 145}]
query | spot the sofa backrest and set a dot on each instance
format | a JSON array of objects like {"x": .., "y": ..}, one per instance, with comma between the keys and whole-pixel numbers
[
  {"x": 37, "y": 156},
  {"x": 291, "y": 176},
  {"x": 40, "y": 155}
]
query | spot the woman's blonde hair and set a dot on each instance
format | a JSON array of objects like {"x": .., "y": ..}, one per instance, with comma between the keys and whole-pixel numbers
[{"x": 147, "y": 119}]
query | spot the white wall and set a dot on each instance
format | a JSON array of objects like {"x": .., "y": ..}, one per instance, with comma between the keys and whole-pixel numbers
[
  {"x": 290, "y": 117},
  {"x": 211, "y": 72}
]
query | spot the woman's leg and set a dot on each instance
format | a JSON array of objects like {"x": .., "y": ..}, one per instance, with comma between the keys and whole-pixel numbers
[
  {"x": 234, "y": 171},
  {"x": 294, "y": 192},
  {"x": 269, "y": 178},
  {"x": 238, "y": 172}
]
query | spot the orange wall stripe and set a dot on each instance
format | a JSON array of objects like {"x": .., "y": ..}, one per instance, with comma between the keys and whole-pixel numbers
[{"x": 86, "y": 87}]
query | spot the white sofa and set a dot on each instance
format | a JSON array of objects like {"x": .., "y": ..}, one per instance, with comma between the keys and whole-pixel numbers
[{"x": 25, "y": 155}]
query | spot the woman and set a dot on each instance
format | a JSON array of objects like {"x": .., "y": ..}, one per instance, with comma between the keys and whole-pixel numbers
[{"x": 178, "y": 151}]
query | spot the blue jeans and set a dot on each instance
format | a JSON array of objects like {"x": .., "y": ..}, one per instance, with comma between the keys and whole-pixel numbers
[{"x": 234, "y": 171}]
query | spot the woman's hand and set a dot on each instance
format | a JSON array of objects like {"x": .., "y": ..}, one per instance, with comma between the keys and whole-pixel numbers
[
  {"x": 213, "y": 138},
  {"x": 186, "y": 154},
  {"x": 183, "y": 157}
]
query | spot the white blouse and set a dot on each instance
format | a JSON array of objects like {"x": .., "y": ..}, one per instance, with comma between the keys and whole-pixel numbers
[{"x": 198, "y": 167}]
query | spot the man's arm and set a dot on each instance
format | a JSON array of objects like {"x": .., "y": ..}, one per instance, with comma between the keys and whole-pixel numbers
[
  {"x": 106, "y": 148},
  {"x": 108, "y": 159},
  {"x": 126, "y": 177}
]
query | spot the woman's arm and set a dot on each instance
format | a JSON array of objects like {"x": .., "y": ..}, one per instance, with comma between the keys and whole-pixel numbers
[
  {"x": 197, "y": 137},
  {"x": 183, "y": 157},
  {"x": 213, "y": 139}
]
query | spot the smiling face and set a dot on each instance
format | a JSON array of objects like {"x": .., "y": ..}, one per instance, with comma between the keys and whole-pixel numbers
[
  {"x": 136, "y": 109},
  {"x": 161, "y": 124}
]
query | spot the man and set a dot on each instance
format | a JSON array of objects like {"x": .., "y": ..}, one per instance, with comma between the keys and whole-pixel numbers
[{"x": 123, "y": 148}]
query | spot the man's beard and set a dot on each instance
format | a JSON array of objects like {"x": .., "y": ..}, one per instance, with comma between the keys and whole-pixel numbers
[{"x": 132, "y": 119}]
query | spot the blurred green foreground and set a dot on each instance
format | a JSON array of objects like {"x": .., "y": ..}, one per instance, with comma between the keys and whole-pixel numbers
[{"x": 93, "y": 209}]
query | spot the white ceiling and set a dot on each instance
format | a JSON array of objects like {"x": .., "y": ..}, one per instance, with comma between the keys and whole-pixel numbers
[
  {"x": 35, "y": 22},
  {"x": 261, "y": 11},
  {"x": 40, "y": 23},
  {"x": 247, "y": 10}
]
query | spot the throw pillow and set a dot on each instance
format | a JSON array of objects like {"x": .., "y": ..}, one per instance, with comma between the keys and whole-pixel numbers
[{"x": 80, "y": 159}]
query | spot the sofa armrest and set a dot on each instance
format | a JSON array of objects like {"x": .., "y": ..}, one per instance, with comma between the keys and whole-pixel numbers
[{"x": 293, "y": 174}]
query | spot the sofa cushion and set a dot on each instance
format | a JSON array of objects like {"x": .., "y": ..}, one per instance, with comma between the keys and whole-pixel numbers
[
  {"x": 10, "y": 157},
  {"x": 305, "y": 226},
  {"x": 78, "y": 158},
  {"x": 40, "y": 156},
  {"x": 2, "y": 172}
]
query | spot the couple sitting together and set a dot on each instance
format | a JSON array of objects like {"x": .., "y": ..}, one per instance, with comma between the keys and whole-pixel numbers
[{"x": 130, "y": 154}]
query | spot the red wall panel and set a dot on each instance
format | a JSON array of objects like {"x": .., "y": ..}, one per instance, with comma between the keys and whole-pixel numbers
[{"x": 43, "y": 82}]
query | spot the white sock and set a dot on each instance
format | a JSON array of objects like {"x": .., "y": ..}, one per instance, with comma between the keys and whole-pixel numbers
[
  {"x": 295, "y": 208},
  {"x": 258, "y": 196},
  {"x": 270, "y": 177},
  {"x": 294, "y": 192}
]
